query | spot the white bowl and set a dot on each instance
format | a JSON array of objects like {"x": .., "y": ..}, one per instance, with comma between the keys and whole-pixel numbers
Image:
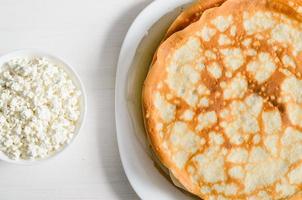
[
  {"x": 139, "y": 45},
  {"x": 74, "y": 77}
]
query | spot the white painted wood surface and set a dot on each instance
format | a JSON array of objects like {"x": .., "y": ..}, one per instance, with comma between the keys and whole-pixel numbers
[{"x": 88, "y": 35}]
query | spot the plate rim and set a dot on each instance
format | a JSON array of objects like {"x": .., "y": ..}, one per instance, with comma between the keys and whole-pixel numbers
[{"x": 138, "y": 29}]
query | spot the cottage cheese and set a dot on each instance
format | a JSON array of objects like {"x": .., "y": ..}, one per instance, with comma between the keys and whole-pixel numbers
[{"x": 39, "y": 108}]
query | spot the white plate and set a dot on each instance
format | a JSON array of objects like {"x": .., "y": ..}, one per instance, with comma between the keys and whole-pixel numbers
[
  {"x": 137, "y": 50},
  {"x": 76, "y": 80}
]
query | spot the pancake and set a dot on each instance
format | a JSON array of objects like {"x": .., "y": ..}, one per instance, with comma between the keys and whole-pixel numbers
[
  {"x": 189, "y": 16},
  {"x": 223, "y": 102}
]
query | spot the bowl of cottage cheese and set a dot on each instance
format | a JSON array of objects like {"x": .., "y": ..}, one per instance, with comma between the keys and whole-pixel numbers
[{"x": 42, "y": 106}]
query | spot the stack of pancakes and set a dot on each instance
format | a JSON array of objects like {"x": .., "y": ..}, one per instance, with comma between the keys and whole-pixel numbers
[{"x": 223, "y": 99}]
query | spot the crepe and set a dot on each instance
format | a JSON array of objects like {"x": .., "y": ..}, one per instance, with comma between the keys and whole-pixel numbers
[
  {"x": 189, "y": 16},
  {"x": 222, "y": 102}
]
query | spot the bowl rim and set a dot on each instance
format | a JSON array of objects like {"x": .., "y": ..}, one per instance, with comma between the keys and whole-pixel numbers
[
  {"x": 73, "y": 75},
  {"x": 147, "y": 182}
]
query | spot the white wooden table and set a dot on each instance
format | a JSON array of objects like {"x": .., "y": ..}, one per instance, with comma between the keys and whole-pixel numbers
[{"x": 87, "y": 34}]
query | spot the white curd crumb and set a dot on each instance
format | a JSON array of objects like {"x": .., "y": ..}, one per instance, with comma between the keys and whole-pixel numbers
[{"x": 39, "y": 108}]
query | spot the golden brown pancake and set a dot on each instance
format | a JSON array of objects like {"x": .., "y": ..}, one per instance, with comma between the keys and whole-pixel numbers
[
  {"x": 189, "y": 16},
  {"x": 223, "y": 102}
]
